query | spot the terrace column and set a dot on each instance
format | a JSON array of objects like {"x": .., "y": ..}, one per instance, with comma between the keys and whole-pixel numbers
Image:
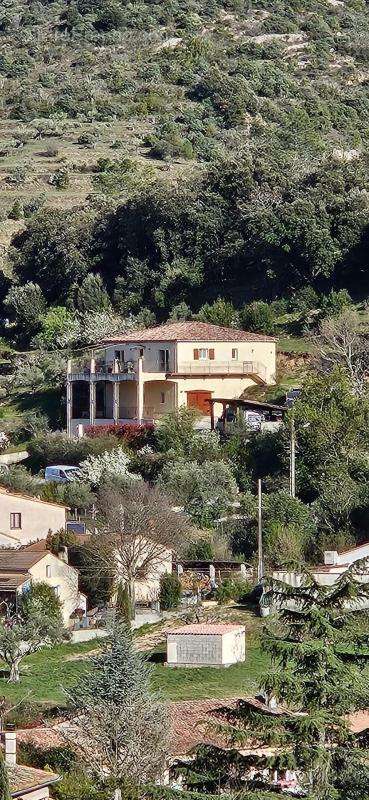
[
  {"x": 140, "y": 390},
  {"x": 92, "y": 393},
  {"x": 116, "y": 402},
  {"x": 69, "y": 407}
]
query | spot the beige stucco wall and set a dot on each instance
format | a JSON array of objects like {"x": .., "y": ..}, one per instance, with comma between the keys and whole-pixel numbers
[
  {"x": 147, "y": 590},
  {"x": 37, "y": 518},
  {"x": 63, "y": 576},
  {"x": 262, "y": 352}
]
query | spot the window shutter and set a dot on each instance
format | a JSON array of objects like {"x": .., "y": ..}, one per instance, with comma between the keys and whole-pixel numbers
[
  {"x": 196, "y": 354},
  {"x": 211, "y": 354}
]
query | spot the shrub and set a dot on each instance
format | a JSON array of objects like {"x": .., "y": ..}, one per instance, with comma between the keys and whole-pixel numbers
[
  {"x": 57, "y": 448},
  {"x": 201, "y": 550},
  {"x": 258, "y": 316},
  {"x": 170, "y": 591},
  {"x": 134, "y": 436},
  {"x": 16, "y": 211},
  {"x": 232, "y": 589}
]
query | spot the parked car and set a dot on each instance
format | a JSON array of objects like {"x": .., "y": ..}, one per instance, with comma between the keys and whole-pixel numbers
[{"x": 62, "y": 473}]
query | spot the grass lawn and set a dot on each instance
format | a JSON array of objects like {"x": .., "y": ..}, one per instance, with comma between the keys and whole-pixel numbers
[
  {"x": 206, "y": 682},
  {"x": 46, "y": 673}
]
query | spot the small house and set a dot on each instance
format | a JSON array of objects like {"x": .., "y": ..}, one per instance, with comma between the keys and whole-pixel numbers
[
  {"x": 24, "y": 519},
  {"x": 19, "y": 569},
  {"x": 25, "y": 783},
  {"x": 206, "y": 645}
]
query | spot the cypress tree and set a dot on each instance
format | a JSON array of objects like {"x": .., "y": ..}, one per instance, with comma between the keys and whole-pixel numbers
[{"x": 123, "y": 605}]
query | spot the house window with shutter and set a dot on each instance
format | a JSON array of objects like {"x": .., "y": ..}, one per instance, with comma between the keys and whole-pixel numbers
[
  {"x": 203, "y": 354},
  {"x": 234, "y": 353}
]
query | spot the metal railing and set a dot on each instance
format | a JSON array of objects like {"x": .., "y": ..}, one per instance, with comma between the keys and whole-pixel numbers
[{"x": 221, "y": 367}]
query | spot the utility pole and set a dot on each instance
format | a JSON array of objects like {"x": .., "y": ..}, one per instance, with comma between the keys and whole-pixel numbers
[
  {"x": 260, "y": 536},
  {"x": 293, "y": 459}
]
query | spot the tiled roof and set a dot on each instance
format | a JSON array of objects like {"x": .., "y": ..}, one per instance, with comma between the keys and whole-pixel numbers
[
  {"x": 9, "y": 580},
  {"x": 30, "y": 497},
  {"x": 212, "y": 628},
  {"x": 190, "y": 332},
  {"x": 24, "y": 779},
  {"x": 19, "y": 560}
]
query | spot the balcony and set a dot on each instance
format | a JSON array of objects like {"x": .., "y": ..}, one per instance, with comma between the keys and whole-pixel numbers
[
  {"x": 94, "y": 370},
  {"x": 252, "y": 369}
]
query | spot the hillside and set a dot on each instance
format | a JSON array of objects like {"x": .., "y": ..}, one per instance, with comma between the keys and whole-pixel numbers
[{"x": 184, "y": 151}]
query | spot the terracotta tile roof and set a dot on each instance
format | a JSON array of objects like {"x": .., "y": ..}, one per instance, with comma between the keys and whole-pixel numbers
[
  {"x": 215, "y": 629},
  {"x": 30, "y": 497},
  {"x": 19, "y": 560},
  {"x": 38, "y": 546},
  {"x": 25, "y": 779},
  {"x": 12, "y": 580},
  {"x": 190, "y": 332}
]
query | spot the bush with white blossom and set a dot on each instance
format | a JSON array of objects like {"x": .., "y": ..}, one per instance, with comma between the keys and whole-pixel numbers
[
  {"x": 4, "y": 441},
  {"x": 111, "y": 463}
]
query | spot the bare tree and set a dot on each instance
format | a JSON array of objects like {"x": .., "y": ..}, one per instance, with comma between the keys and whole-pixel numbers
[
  {"x": 341, "y": 342},
  {"x": 136, "y": 530}
]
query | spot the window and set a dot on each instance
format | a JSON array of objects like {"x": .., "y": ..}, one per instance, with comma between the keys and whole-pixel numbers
[
  {"x": 164, "y": 360},
  {"x": 48, "y": 571},
  {"x": 203, "y": 354},
  {"x": 162, "y": 398},
  {"x": 235, "y": 353},
  {"x": 15, "y": 521},
  {"x": 119, "y": 355},
  {"x": 56, "y": 590}
]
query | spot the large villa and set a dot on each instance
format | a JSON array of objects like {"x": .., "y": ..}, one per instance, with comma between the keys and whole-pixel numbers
[{"x": 141, "y": 375}]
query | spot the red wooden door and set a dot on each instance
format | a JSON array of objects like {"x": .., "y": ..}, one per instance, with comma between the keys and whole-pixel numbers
[{"x": 200, "y": 400}]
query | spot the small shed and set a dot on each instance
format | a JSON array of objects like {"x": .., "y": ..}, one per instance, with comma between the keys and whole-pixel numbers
[{"x": 206, "y": 645}]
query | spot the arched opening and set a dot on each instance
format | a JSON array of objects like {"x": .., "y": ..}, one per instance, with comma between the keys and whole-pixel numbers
[{"x": 80, "y": 400}]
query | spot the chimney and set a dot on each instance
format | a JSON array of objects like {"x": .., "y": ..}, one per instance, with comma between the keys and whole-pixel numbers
[{"x": 10, "y": 743}]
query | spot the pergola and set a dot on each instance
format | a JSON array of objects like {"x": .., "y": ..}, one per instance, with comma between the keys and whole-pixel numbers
[{"x": 252, "y": 405}]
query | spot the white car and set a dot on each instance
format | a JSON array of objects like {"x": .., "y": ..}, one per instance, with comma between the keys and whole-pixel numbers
[{"x": 62, "y": 473}]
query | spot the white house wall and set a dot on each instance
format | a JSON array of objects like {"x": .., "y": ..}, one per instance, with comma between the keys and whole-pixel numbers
[
  {"x": 63, "y": 576},
  {"x": 37, "y": 519}
]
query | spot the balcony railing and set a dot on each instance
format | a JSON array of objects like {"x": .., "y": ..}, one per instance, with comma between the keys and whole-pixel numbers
[
  {"x": 221, "y": 368},
  {"x": 81, "y": 369}
]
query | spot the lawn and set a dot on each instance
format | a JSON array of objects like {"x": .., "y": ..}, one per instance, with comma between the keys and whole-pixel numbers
[
  {"x": 205, "y": 682},
  {"x": 45, "y": 674}
]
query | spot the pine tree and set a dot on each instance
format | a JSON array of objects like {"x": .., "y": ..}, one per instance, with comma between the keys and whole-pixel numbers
[
  {"x": 319, "y": 647},
  {"x": 4, "y": 780},
  {"x": 120, "y": 724}
]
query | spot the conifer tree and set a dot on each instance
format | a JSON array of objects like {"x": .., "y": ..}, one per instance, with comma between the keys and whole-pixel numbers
[
  {"x": 123, "y": 604},
  {"x": 119, "y": 723},
  {"x": 319, "y": 648}
]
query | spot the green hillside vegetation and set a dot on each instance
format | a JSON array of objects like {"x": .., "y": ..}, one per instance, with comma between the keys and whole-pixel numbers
[
  {"x": 259, "y": 114},
  {"x": 165, "y": 160}
]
